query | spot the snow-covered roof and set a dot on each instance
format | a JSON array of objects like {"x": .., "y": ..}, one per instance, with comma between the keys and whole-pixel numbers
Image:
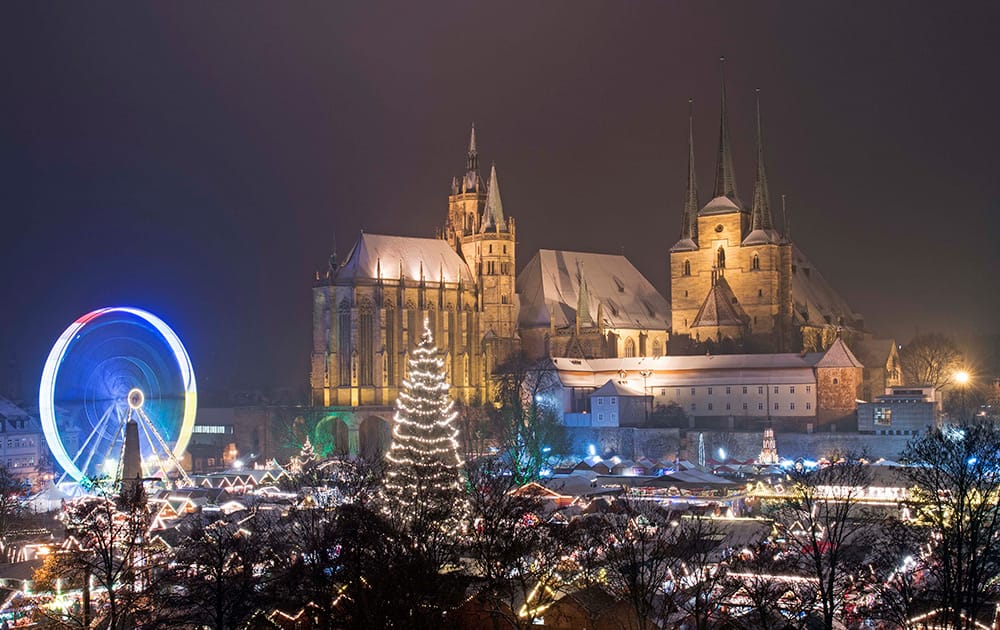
[
  {"x": 838, "y": 355},
  {"x": 688, "y": 371},
  {"x": 615, "y": 388},
  {"x": 10, "y": 410},
  {"x": 685, "y": 245},
  {"x": 720, "y": 308},
  {"x": 720, "y": 205},
  {"x": 814, "y": 300},
  {"x": 762, "y": 237},
  {"x": 389, "y": 256},
  {"x": 549, "y": 289}
]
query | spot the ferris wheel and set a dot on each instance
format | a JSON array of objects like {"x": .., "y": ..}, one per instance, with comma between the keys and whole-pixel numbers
[{"x": 112, "y": 367}]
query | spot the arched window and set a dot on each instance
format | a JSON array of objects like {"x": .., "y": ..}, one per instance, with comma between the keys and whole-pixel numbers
[
  {"x": 657, "y": 348},
  {"x": 721, "y": 258},
  {"x": 466, "y": 369},
  {"x": 755, "y": 262},
  {"x": 629, "y": 347},
  {"x": 344, "y": 342},
  {"x": 366, "y": 345},
  {"x": 687, "y": 267},
  {"x": 390, "y": 346}
]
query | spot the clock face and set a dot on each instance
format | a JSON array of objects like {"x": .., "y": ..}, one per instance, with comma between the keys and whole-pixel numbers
[{"x": 718, "y": 228}]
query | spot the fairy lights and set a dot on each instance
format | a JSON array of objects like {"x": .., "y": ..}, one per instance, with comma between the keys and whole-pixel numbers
[{"x": 424, "y": 465}]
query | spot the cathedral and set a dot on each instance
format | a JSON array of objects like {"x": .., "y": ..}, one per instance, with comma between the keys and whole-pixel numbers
[{"x": 737, "y": 284}]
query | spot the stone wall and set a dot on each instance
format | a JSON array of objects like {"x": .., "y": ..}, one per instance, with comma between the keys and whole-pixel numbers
[{"x": 633, "y": 443}]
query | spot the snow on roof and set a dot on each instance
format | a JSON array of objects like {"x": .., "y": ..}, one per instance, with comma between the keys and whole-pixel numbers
[
  {"x": 615, "y": 388},
  {"x": 720, "y": 205},
  {"x": 838, "y": 355},
  {"x": 762, "y": 237},
  {"x": 549, "y": 285},
  {"x": 10, "y": 410},
  {"x": 814, "y": 300},
  {"x": 685, "y": 245},
  {"x": 677, "y": 371},
  {"x": 376, "y": 254},
  {"x": 720, "y": 308}
]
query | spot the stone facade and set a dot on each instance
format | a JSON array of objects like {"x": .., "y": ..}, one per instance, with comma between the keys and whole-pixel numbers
[{"x": 370, "y": 309}]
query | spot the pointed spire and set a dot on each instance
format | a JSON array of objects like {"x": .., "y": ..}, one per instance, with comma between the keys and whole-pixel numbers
[
  {"x": 473, "y": 162},
  {"x": 493, "y": 214},
  {"x": 689, "y": 228},
  {"x": 761, "y": 195},
  {"x": 582, "y": 301},
  {"x": 784, "y": 221},
  {"x": 725, "y": 175}
]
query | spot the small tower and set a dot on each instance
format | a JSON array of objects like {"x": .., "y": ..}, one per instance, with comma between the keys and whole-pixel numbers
[
  {"x": 467, "y": 199},
  {"x": 769, "y": 449}
]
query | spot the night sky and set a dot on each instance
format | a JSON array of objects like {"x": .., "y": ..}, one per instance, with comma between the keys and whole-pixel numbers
[{"x": 197, "y": 159}]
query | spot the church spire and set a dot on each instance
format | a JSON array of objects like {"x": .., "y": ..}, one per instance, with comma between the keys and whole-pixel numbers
[
  {"x": 471, "y": 181},
  {"x": 761, "y": 195},
  {"x": 725, "y": 175},
  {"x": 786, "y": 226},
  {"x": 493, "y": 214},
  {"x": 689, "y": 228},
  {"x": 473, "y": 159}
]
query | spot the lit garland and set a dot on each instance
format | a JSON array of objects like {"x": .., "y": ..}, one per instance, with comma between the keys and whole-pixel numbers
[{"x": 423, "y": 475}]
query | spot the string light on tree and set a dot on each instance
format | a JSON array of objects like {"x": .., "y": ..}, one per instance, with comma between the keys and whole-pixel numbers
[{"x": 423, "y": 476}]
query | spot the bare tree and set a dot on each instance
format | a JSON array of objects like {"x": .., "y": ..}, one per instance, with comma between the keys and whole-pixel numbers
[
  {"x": 827, "y": 532},
  {"x": 513, "y": 548},
  {"x": 956, "y": 492},
  {"x": 220, "y": 571},
  {"x": 929, "y": 359},
  {"x": 107, "y": 545}
]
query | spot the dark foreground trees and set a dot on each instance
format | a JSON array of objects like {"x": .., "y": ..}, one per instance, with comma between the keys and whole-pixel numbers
[{"x": 956, "y": 489}]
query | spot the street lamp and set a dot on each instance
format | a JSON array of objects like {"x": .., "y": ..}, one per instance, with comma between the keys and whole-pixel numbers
[{"x": 962, "y": 379}]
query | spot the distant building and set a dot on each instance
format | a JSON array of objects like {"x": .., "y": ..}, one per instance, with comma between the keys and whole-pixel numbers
[
  {"x": 21, "y": 441},
  {"x": 792, "y": 392},
  {"x": 900, "y": 411}
]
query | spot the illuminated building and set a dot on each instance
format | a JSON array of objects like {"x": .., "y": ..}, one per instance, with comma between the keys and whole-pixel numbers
[{"x": 736, "y": 280}]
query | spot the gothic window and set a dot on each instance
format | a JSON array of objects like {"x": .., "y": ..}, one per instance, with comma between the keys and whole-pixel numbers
[
  {"x": 366, "y": 344},
  {"x": 390, "y": 346},
  {"x": 503, "y": 298},
  {"x": 760, "y": 292},
  {"x": 642, "y": 344},
  {"x": 466, "y": 369},
  {"x": 629, "y": 347},
  {"x": 721, "y": 258},
  {"x": 505, "y": 249},
  {"x": 447, "y": 367},
  {"x": 344, "y": 343},
  {"x": 755, "y": 262},
  {"x": 657, "y": 348},
  {"x": 687, "y": 267},
  {"x": 491, "y": 248}
]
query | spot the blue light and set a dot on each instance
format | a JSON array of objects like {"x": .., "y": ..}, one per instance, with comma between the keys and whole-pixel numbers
[
  {"x": 591, "y": 450},
  {"x": 972, "y": 460},
  {"x": 546, "y": 449}
]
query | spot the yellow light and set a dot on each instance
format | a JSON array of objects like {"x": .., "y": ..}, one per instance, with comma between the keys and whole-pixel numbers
[{"x": 961, "y": 377}]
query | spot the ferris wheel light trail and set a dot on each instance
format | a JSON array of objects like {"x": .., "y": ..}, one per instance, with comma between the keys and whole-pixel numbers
[{"x": 47, "y": 392}]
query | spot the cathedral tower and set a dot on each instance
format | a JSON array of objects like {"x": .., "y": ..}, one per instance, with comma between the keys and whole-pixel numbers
[
  {"x": 727, "y": 253},
  {"x": 467, "y": 199}
]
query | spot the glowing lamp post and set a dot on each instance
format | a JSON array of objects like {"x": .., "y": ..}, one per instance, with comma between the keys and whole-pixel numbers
[{"x": 962, "y": 379}]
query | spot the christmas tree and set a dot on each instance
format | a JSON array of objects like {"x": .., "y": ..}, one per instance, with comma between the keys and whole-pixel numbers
[{"x": 423, "y": 484}]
